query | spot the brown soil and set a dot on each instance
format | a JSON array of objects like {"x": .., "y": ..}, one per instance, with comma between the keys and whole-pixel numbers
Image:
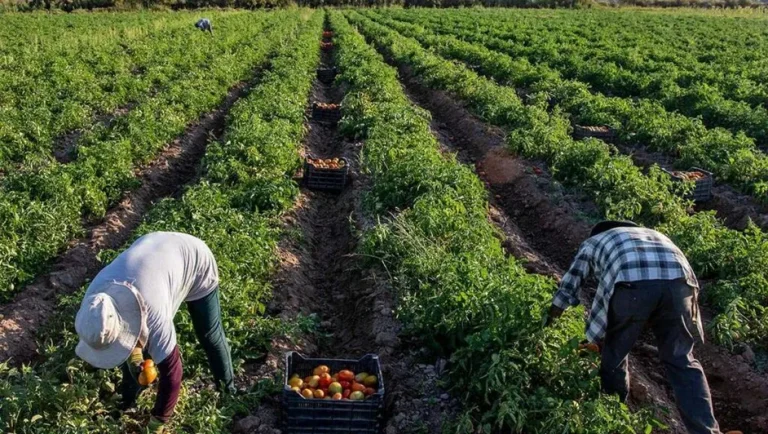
[
  {"x": 321, "y": 274},
  {"x": 735, "y": 209},
  {"x": 522, "y": 206},
  {"x": 65, "y": 146},
  {"x": 173, "y": 168},
  {"x": 541, "y": 216}
]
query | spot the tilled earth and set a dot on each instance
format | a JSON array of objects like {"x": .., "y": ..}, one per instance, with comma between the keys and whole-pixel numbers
[{"x": 321, "y": 275}]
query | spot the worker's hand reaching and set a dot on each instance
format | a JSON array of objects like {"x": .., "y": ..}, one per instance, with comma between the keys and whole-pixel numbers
[
  {"x": 588, "y": 347},
  {"x": 551, "y": 315},
  {"x": 134, "y": 363}
]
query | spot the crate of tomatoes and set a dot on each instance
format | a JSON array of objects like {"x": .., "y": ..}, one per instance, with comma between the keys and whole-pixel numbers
[
  {"x": 327, "y": 74},
  {"x": 325, "y": 174},
  {"x": 326, "y": 112},
  {"x": 602, "y": 132},
  {"x": 702, "y": 179},
  {"x": 332, "y": 395}
]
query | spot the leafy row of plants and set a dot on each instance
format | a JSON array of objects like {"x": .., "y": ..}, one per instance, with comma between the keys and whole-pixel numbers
[
  {"x": 42, "y": 206},
  {"x": 669, "y": 57},
  {"x": 454, "y": 284},
  {"x": 259, "y": 151},
  {"x": 733, "y": 158},
  {"x": 736, "y": 260},
  {"x": 60, "y": 72}
]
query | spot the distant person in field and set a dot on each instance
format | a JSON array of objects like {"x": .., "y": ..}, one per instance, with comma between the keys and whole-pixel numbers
[
  {"x": 128, "y": 312},
  {"x": 644, "y": 279},
  {"x": 204, "y": 24}
]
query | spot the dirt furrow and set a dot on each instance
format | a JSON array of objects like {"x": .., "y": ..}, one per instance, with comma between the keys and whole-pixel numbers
[
  {"x": 176, "y": 166},
  {"x": 320, "y": 274}
]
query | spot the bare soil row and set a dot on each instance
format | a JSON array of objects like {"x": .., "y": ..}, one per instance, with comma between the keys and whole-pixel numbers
[{"x": 320, "y": 274}]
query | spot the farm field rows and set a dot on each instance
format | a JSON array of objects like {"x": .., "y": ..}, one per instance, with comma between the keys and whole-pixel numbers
[
  {"x": 638, "y": 122},
  {"x": 468, "y": 198},
  {"x": 45, "y": 202},
  {"x": 719, "y": 78},
  {"x": 616, "y": 185}
]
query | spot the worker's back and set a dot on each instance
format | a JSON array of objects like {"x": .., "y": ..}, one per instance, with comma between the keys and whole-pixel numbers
[{"x": 204, "y": 24}]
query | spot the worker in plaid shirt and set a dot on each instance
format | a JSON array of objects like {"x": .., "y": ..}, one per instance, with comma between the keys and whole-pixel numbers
[{"x": 644, "y": 279}]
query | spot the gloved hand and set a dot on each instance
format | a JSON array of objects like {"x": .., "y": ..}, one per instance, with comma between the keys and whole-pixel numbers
[
  {"x": 155, "y": 426},
  {"x": 134, "y": 363},
  {"x": 586, "y": 346},
  {"x": 551, "y": 315}
]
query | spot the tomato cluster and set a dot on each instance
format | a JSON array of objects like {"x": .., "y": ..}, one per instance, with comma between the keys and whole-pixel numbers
[
  {"x": 596, "y": 129},
  {"x": 330, "y": 163},
  {"x": 343, "y": 385},
  {"x": 326, "y": 106},
  {"x": 689, "y": 176}
]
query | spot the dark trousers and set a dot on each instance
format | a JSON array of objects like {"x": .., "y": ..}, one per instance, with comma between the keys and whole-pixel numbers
[
  {"x": 206, "y": 320},
  {"x": 205, "y": 314},
  {"x": 667, "y": 306}
]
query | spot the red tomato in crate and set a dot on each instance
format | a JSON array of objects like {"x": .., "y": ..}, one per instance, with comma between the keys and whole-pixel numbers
[
  {"x": 346, "y": 375},
  {"x": 325, "y": 380}
]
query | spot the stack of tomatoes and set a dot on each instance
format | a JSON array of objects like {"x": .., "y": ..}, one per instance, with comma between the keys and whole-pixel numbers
[
  {"x": 689, "y": 176},
  {"x": 343, "y": 385},
  {"x": 326, "y": 106},
  {"x": 329, "y": 163}
]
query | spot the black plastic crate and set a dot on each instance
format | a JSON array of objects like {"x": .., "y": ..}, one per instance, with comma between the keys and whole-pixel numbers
[
  {"x": 325, "y": 115},
  {"x": 318, "y": 416},
  {"x": 602, "y": 132},
  {"x": 317, "y": 178},
  {"x": 702, "y": 192},
  {"x": 327, "y": 75}
]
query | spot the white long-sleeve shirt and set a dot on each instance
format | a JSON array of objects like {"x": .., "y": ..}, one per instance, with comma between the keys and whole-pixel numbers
[{"x": 166, "y": 268}]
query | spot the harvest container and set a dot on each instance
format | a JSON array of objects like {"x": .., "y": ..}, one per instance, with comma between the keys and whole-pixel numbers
[
  {"x": 702, "y": 192},
  {"x": 316, "y": 416},
  {"x": 327, "y": 46},
  {"x": 327, "y": 34},
  {"x": 325, "y": 114},
  {"x": 602, "y": 132},
  {"x": 326, "y": 75},
  {"x": 317, "y": 178}
]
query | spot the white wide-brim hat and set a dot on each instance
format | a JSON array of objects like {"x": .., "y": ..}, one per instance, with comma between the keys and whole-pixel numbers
[{"x": 109, "y": 325}]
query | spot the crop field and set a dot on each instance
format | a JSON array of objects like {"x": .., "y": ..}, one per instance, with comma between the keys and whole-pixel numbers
[{"x": 469, "y": 192}]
